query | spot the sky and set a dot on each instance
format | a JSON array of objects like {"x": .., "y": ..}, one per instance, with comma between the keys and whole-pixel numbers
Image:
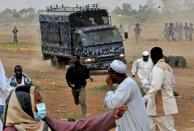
[{"x": 42, "y": 4}]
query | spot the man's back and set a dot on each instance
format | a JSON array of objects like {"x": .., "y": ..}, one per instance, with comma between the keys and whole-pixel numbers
[{"x": 161, "y": 89}]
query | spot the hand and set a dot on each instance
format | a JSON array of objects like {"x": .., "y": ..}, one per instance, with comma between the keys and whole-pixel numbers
[
  {"x": 71, "y": 85},
  {"x": 118, "y": 112},
  {"x": 109, "y": 82}
]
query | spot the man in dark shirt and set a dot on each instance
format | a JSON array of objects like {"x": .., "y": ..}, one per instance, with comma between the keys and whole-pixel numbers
[
  {"x": 15, "y": 31},
  {"x": 76, "y": 79}
]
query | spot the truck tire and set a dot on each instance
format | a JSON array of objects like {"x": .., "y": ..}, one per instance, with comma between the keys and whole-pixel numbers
[
  {"x": 56, "y": 62},
  {"x": 65, "y": 63}
]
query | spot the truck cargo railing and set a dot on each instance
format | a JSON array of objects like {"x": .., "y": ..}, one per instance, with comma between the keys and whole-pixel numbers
[{"x": 62, "y": 8}]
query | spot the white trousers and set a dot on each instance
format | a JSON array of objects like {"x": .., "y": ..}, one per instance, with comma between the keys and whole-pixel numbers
[
  {"x": 164, "y": 123},
  {"x": 1, "y": 125}
]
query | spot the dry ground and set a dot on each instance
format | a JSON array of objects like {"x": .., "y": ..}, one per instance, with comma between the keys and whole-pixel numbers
[{"x": 58, "y": 96}]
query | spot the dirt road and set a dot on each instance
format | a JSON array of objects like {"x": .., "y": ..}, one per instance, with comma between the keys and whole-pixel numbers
[{"x": 57, "y": 95}]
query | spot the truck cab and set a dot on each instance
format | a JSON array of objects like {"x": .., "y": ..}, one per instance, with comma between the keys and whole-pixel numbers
[{"x": 81, "y": 30}]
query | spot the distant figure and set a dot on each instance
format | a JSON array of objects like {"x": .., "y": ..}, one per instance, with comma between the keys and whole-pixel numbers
[
  {"x": 129, "y": 25},
  {"x": 171, "y": 35},
  {"x": 190, "y": 31},
  {"x": 166, "y": 31},
  {"x": 186, "y": 30},
  {"x": 19, "y": 79},
  {"x": 121, "y": 30},
  {"x": 180, "y": 32},
  {"x": 137, "y": 31},
  {"x": 176, "y": 30},
  {"x": 15, "y": 31}
]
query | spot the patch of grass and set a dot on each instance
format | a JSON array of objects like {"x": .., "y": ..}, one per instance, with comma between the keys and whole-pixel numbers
[
  {"x": 40, "y": 88},
  {"x": 103, "y": 109},
  {"x": 60, "y": 86},
  {"x": 102, "y": 88},
  {"x": 66, "y": 115},
  {"x": 19, "y": 46}
]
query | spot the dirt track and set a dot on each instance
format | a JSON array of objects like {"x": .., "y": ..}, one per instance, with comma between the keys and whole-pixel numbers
[{"x": 58, "y": 96}]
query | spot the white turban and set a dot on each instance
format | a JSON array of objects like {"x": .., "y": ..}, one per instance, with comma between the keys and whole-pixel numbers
[
  {"x": 118, "y": 66},
  {"x": 145, "y": 53}
]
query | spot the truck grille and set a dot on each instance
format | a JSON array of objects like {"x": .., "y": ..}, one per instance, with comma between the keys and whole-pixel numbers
[{"x": 105, "y": 58}]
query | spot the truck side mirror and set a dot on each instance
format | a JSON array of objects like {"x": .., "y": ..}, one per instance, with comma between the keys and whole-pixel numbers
[{"x": 126, "y": 35}]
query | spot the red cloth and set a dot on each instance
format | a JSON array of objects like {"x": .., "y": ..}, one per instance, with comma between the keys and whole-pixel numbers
[{"x": 103, "y": 122}]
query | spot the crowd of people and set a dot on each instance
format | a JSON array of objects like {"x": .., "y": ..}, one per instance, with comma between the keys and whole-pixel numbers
[
  {"x": 178, "y": 31},
  {"x": 22, "y": 108}
]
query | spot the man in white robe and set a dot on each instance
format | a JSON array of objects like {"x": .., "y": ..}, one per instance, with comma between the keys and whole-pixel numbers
[
  {"x": 128, "y": 93},
  {"x": 161, "y": 103},
  {"x": 5, "y": 89},
  {"x": 143, "y": 67}
]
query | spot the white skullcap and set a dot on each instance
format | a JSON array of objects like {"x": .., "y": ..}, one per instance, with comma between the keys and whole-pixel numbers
[
  {"x": 118, "y": 66},
  {"x": 145, "y": 53}
]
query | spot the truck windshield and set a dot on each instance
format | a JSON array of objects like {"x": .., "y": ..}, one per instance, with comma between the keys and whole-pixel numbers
[{"x": 100, "y": 37}]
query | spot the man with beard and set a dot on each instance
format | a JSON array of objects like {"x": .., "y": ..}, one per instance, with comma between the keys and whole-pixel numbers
[
  {"x": 161, "y": 103},
  {"x": 127, "y": 93},
  {"x": 76, "y": 79},
  {"x": 20, "y": 78},
  {"x": 143, "y": 66}
]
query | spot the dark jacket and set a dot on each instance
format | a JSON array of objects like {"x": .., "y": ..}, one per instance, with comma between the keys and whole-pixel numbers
[{"x": 77, "y": 75}]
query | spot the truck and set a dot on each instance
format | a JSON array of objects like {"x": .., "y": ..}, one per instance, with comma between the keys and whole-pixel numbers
[{"x": 81, "y": 30}]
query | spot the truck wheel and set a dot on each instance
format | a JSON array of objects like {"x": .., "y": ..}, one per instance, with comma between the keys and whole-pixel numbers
[
  {"x": 56, "y": 62},
  {"x": 65, "y": 63}
]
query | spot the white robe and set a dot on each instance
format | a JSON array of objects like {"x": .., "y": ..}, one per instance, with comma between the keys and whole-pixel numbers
[
  {"x": 5, "y": 89},
  {"x": 143, "y": 69},
  {"x": 160, "y": 99},
  {"x": 135, "y": 118}
]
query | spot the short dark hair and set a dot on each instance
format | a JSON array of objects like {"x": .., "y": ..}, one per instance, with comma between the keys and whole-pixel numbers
[
  {"x": 78, "y": 57},
  {"x": 18, "y": 66},
  {"x": 156, "y": 54}
]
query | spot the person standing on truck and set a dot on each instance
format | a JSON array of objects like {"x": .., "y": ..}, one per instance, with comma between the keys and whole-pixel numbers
[{"x": 76, "y": 79}]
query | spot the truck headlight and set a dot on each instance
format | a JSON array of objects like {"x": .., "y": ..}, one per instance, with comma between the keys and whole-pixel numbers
[
  {"x": 122, "y": 55},
  {"x": 89, "y": 60}
]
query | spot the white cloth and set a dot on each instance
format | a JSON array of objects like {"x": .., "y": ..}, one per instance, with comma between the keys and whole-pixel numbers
[
  {"x": 1, "y": 126},
  {"x": 164, "y": 123},
  {"x": 135, "y": 118},
  {"x": 145, "y": 53},
  {"x": 118, "y": 66},
  {"x": 143, "y": 70},
  {"x": 160, "y": 98},
  {"x": 22, "y": 83},
  {"x": 5, "y": 89}
]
